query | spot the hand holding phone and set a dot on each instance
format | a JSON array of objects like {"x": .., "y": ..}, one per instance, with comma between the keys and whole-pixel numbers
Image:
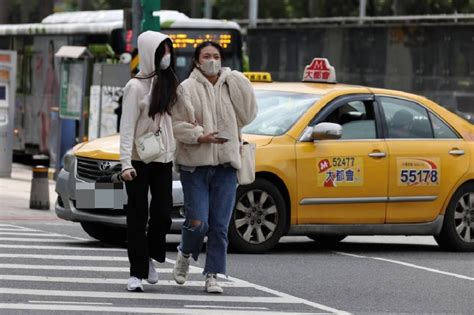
[{"x": 223, "y": 136}]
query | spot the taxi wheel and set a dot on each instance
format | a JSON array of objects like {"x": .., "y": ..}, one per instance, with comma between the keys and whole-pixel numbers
[
  {"x": 259, "y": 218},
  {"x": 457, "y": 233},
  {"x": 105, "y": 233},
  {"x": 326, "y": 240}
]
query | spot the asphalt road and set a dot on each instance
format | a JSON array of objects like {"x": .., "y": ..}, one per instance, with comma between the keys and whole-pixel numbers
[{"x": 52, "y": 267}]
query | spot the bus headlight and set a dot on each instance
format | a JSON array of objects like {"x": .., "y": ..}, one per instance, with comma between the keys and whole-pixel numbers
[{"x": 69, "y": 161}]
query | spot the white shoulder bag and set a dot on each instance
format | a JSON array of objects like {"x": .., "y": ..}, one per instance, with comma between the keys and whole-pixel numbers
[{"x": 150, "y": 145}]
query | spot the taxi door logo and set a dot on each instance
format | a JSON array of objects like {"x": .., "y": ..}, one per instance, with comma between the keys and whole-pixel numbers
[
  {"x": 418, "y": 171},
  {"x": 343, "y": 171}
]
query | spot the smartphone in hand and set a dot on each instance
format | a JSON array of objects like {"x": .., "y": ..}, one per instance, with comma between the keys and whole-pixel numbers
[{"x": 223, "y": 136}]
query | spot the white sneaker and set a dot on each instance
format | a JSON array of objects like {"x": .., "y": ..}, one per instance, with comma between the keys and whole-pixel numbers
[
  {"x": 152, "y": 274},
  {"x": 212, "y": 286},
  {"x": 135, "y": 284},
  {"x": 181, "y": 268}
]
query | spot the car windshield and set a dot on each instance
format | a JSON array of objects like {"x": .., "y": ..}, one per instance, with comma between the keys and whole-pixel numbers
[{"x": 278, "y": 111}]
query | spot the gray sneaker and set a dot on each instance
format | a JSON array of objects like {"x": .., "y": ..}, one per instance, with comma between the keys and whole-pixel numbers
[
  {"x": 152, "y": 274},
  {"x": 212, "y": 286},
  {"x": 181, "y": 268}
]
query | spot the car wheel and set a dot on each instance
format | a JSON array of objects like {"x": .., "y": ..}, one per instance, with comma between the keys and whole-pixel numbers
[
  {"x": 326, "y": 240},
  {"x": 259, "y": 218},
  {"x": 105, "y": 233},
  {"x": 457, "y": 233}
]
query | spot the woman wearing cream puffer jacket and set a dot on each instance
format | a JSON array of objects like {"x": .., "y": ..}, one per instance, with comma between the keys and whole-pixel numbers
[{"x": 213, "y": 105}]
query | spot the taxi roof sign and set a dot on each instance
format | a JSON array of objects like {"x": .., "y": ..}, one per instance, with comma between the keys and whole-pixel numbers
[
  {"x": 258, "y": 76},
  {"x": 319, "y": 71}
]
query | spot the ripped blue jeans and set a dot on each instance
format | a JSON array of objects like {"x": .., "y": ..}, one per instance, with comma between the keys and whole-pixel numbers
[{"x": 209, "y": 197}]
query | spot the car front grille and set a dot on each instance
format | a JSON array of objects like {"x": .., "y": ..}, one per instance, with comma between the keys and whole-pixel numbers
[{"x": 91, "y": 169}]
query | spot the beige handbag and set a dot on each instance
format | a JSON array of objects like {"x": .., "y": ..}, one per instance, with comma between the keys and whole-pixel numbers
[
  {"x": 150, "y": 145},
  {"x": 246, "y": 173}
]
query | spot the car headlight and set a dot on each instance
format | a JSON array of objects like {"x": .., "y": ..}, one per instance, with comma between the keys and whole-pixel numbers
[{"x": 69, "y": 161}]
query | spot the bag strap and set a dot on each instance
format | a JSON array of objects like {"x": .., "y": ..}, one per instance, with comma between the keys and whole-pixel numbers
[{"x": 159, "y": 124}]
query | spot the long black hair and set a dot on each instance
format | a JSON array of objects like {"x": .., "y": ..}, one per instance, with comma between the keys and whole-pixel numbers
[
  {"x": 198, "y": 49},
  {"x": 163, "y": 95}
]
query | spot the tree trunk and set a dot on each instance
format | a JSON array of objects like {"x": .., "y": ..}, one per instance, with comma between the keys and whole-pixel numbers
[
  {"x": 45, "y": 8},
  {"x": 83, "y": 5},
  {"x": 196, "y": 8},
  {"x": 315, "y": 8},
  {"x": 4, "y": 11}
]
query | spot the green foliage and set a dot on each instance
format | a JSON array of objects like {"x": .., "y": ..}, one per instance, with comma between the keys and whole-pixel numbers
[
  {"x": 31, "y": 11},
  {"x": 101, "y": 51},
  {"x": 230, "y": 9},
  {"x": 74, "y": 5}
]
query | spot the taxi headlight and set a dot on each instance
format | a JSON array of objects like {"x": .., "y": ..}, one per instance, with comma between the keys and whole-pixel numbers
[{"x": 69, "y": 161}]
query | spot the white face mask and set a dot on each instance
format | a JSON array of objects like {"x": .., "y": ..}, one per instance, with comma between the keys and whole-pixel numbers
[
  {"x": 165, "y": 62},
  {"x": 211, "y": 67}
]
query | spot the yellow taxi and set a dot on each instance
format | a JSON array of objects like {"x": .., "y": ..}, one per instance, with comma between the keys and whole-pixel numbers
[{"x": 334, "y": 160}]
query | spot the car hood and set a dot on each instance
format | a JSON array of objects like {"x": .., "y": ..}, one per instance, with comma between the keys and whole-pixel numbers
[
  {"x": 108, "y": 148},
  {"x": 260, "y": 141}
]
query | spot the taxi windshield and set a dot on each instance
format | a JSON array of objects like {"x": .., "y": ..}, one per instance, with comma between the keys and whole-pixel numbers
[{"x": 278, "y": 111}]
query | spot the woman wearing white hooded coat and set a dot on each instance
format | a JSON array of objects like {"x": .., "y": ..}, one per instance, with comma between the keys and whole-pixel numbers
[
  {"x": 214, "y": 103},
  {"x": 147, "y": 103}
]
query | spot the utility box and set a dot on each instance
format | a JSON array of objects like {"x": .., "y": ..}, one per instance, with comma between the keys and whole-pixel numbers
[{"x": 7, "y": 107}]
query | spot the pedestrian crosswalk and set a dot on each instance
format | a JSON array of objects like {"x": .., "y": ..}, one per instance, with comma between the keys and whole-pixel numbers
[{"x": 42, "y": 271}]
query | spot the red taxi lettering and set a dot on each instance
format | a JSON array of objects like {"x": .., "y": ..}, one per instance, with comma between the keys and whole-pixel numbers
[
  {"x": 318, "y": 64},
  {"x": 319, "y": 71}
]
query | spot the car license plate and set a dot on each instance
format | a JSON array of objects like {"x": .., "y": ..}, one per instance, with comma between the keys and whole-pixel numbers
[{"x": 100, "y": 196}]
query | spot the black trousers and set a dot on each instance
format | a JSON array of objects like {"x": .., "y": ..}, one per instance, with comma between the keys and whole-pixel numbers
[{"x": 146, "y": 230}]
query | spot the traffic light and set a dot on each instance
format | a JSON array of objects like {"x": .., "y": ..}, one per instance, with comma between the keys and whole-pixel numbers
[{"x": 150, "y": 22}]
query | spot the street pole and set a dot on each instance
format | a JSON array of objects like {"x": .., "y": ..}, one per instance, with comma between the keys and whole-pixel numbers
[
  {"x": 208, "y": 9},
  {"x": 253, "y": 13},
  {"x": 137, "y": 16},
  {"x": 362, "y": 10}
]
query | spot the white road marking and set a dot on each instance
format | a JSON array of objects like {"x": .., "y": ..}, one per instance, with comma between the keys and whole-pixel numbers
[
  {"x": 20, "y": 239},
  {"x": 14, "y": 226},
  {"x": 409, "y": 265},
  {"x": 192, "y": 269},
  {"x": 13, "y": 229},
  {"x": 65, "y": 257},
  {"x": 69, "y": 302},
  {"x": 227, "y": 284},
  {"x": 227, "y": 307},
  {"x": 98, "y": 249},
  {"x": 297, "y": 299},
  {"x": 32, "y": 234},
  {"x": 280, "y": 296},
  {"x": 132, "y": 310},
  {"x": 35, "y": 230},
  {"x": 150, "y": 296}
]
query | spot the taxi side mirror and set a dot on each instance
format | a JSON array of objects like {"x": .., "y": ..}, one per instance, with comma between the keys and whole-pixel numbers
[{"x": 326, "y": 131}]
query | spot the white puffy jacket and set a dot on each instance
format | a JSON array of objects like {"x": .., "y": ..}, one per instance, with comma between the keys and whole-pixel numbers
[{"x": 202, "y": 108}]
